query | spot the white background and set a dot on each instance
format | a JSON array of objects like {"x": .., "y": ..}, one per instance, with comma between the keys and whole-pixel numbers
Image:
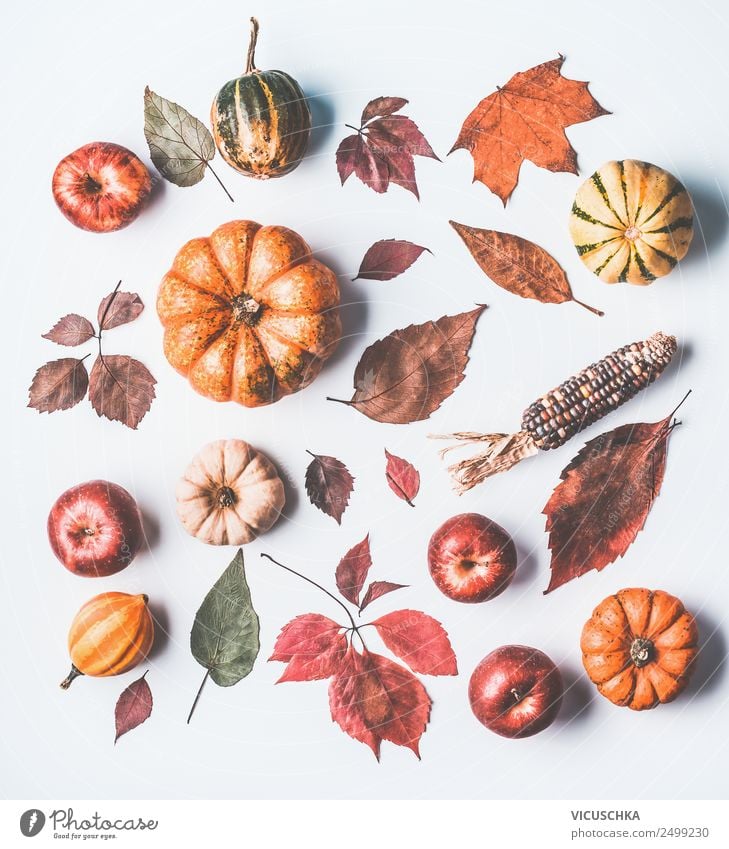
[{"x": 75, "y": 72}]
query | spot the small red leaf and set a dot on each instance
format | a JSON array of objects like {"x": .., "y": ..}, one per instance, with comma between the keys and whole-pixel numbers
[
  {"x": 121, "y": 389},
  {"x": 377, "y": 589},
  {"x": 387, "y": 258},
  {"x": 352, "y": 570},
  {"x": 348, "y": 153},
  {"x": 133, "y": 707},
  {"x": 119, "y": 308},
  {"x": 313, "y": 646},
  {"x": 71, "y": 330},
  {"x": 419, "y": 640},
  {"x": 329, "y": 485},
  {"x": 345, "y": 702},
  {"x": 402, "y": 477},
  {"x": 372, "y": 170},
  {"x": 382, "y": 106},
  {"x": 58, "y": 385}
]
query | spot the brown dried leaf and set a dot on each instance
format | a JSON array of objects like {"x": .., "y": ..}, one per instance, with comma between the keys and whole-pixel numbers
[
  {"x": 519, "y": 266},
  {"x": 133, "y": 707},
  {"x": 388, "y": 258},
  {"x": 119, "y": 308},
  {"x": 71, "y": 330},
  {"x": 604, "y": 499},
  {"x": 329, "y": 485},
  {"x": 526, "y": 119},
  {"x": 121, "y": 389},
  {"x": 58, "y": 385},
  {"x": 407, "y": 375}
]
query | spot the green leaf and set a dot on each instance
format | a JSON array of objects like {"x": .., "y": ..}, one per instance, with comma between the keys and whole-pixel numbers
[
  {"x": 224, "y": 636},
  {"x": 180, "y": 145}
]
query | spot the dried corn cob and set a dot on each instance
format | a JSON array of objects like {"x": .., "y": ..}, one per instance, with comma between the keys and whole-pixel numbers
[{"x": 566, "y": 410}]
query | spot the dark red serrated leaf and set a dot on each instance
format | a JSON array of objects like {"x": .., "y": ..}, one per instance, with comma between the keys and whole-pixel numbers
[
  {"x": 382, "y": 106},
  {"x": 329, "y": 485},
  {"x": 71, "y": 330},
  {"x": 402, "y": 477},
  {"x": 119, "y": 308},
  {"x": 406, "y": 132},
  {"x": 58, "y": 385},
  {"x": 407, "y": 375},
  {"x": 376, "y": 590},
  {"x": 372, "y": 170},
  {"x": 121, "y": 389},
  {"x": 396, "y": 156},
  {"x": 352, "y": 570},
  {"x": 313, "y": 646},
  {"x": 419, "y": 640},
  {"x": 374, "y": 699},
  {"x": 604, "y": 498},
  {"x": 133, "y": 707},
  {"x": 348, "y": 152},
  {"x": 387, "y": 258}
]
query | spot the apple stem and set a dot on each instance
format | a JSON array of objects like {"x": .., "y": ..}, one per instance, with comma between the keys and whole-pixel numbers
[
  {"x": 220, "y": 183},
  {"x": 517, "y": 696},
  {"x": 319, "y": 586},
  {"x": 71, "y": 677},
  {"x": 197, "y": 696}
]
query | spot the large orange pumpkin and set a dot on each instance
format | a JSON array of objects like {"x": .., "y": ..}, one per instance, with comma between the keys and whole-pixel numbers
[
  {"x": 249, "y": 314},
  {"x": 639, "y": 647}
]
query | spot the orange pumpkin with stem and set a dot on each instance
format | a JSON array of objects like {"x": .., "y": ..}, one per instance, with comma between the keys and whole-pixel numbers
[
  {"x": 249, "y": 314},
  {"x": 639, "y": 647}
]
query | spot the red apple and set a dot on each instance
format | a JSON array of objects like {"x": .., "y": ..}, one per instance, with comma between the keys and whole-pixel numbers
[
  {"x": 516, "y": 691},
  {"x": 101, "y": 187},
  {"x": 95, "y": 529},
  {"x": 471, "y": 558}
]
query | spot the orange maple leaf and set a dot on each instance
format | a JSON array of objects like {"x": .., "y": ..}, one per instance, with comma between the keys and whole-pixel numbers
[{"x": 526, "y": 119}]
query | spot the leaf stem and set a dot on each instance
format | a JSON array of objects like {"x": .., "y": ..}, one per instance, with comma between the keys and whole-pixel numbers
[
  {"x": 251, "y": 57},
  {"x": 594, "y": 310},
  {"x": 106, "y": 311},
  {"x": 356, "y": 129},
  {"x": 197, "y": 697},
  {"x": 339, "y": 401},
  {"x": 679, "y": 405},
  {"x": 314, "y": 583},
  {"x": 220, "y": 182}
]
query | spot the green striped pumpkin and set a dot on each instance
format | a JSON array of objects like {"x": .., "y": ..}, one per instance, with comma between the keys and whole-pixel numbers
[
  {"x": 631, "y": 222},
  {"x": 261, "y": 121}
]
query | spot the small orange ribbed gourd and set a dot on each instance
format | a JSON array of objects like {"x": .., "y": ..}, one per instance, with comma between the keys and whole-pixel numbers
[{"x": 109, "y": 635}]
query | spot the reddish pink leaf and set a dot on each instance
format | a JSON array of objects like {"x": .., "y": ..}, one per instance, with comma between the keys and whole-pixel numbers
[
  {"x": 402, "y": 477},
  {"x": 382, "y": 106},
  {"x": 71, "y": 330},
  {"x": 58, "y": 385},
  {"x": 345, "y": 702},
  {"x": 377, "y": 589},
  {"x": 387, "y": 258},
  {"x": 133, "y": 707},
  {"x": 119, "y": 308},
  {"x": 314, "y": 647},
  {"x": 329, "y": 485},
  {"x": 352, "y": 570},
  {"x": 419, "y": 640}
]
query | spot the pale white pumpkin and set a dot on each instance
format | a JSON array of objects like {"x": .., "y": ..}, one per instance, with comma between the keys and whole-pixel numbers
[{"x": 230, "y": 493}]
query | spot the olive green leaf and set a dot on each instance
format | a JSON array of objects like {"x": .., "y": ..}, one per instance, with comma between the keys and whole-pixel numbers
[
  {"x": 224, "y": 636},
  {"x": 180, "y": 145}
]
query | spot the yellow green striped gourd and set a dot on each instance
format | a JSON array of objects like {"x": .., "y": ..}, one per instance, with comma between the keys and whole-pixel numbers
[
  {"x": 631, "y": 222},
  {"x": 261, "y": 120}
]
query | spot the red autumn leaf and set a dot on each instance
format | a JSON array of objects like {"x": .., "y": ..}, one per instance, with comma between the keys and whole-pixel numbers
[
  {"x": 376, "y": 590},
  {"x": 388, "y": 258},
  {"x": 71, "y": 330},
  {"x": 526, "y": 119},
  {"x": 121, "y": 389},
  {"x": 407, "y": 375},
  {"x": 382, "y": 151},
  {"x": 313, "y": 646},
  {"x": 329, "y": 485},
  {"x": 58, "y": 385},
  {"x": 119, "y": 308},
  {"x": 604, "y": 498},
  {"x": 402, "y": 477},
  {"x": 133, "y": 707},
  {"x": 374, "y": 699},
  {"x": 419, "y": 640},
  {"x": 352, "y": 570}
]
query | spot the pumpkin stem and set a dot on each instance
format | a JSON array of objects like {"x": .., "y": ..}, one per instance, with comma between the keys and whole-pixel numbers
[
  {"x": 226, "y": 497},
  {"x": 71, "y": 677},
  {"x": 641, "y": 651},
  {"x": 245, "y": 309},
  {"x": 251, "y": 58}
]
